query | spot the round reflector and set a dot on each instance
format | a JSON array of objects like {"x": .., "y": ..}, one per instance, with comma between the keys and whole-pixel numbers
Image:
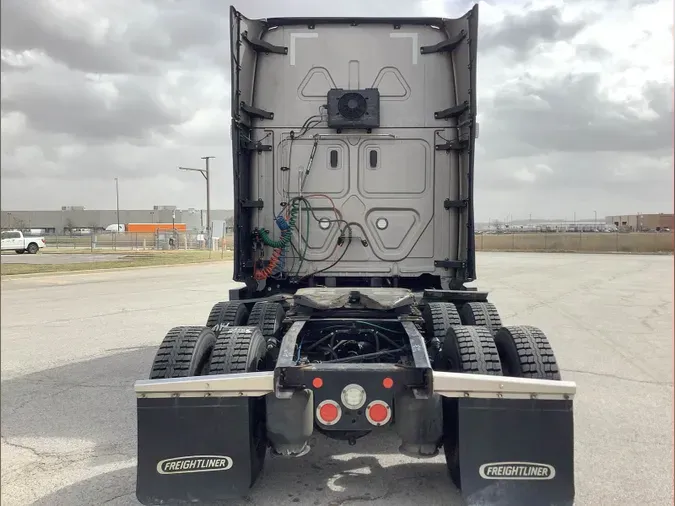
[
  {"x": 328, "y": 412},
  {"x": 353, "y": 396},
  {"x": 317, "y": 382},
  {"x": 387, "y": 382},
  {"x": 378, "y": 412}
]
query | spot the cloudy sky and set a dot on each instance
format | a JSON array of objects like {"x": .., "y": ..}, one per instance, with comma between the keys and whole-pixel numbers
[{"x": 575, "y": 101}]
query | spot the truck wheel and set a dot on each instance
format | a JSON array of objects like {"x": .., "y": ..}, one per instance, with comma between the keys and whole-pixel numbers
[
  {"x": 224, "y": 314},
  {"x": 438, "y": 318},
  {"x": 483, "y": 314},
  {"x": 32, "y": 248},
  {"x": 525, "y": 352},
  {"x": 467, "y": 349},
  {"x": 237, "y": 350},
  {"x": 185, "y": 351},
  {"x": 269, "y": 317}
]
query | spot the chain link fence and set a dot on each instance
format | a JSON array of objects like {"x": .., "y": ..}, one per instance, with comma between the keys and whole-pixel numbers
[
  {"x": 632, "y": 242},
  {"x": 158, "y": 241},
  {"x": 589, "y": 242}
]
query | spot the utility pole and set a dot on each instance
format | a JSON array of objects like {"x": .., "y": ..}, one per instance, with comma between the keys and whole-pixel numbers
[
  {"x": 205, "y": 172},
  {"x": 117, "y": 192}
]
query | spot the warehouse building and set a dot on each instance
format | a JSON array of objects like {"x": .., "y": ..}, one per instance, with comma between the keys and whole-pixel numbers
[
  {"x": 78, "y": 220},
  {"x": 643, "y": 222}
]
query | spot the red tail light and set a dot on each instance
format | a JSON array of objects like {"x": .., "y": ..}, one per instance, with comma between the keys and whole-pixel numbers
[
  {"x": 328, "y": 412},
  {"x": 378, "y": 413}
]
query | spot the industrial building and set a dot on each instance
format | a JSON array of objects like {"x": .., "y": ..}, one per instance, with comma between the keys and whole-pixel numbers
[
  {"x": 78, "y": 220},
  {"x": 643, "y": 222}
]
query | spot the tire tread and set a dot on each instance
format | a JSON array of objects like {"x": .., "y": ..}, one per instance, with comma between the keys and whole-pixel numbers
[
  {"x": 477, "y": 350},
  {"x": 233, "y": 349},
  {"x": 483, "y": 314},
  {"x": 174, "y": 356},
  {"x": 535, "y": 353}
]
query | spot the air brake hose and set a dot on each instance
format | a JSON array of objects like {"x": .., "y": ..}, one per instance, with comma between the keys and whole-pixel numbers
[
  {"x": 286, "y": 233},
  {"x": 267, "y": 271},
  {"x": 280, "y": 245}
]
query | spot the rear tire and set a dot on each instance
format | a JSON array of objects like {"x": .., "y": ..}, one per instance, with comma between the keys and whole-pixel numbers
[
  {"x": 525, "y": 352},
  {"x": 185, "y": 351},
  {"x": 269, "y": 317},
  {"x": 483, "y": 314},
  {"x": 438, "y": 318},
  {"x": 32, "y": 248},
  {"x": 239, "y": 350},
  {"x": 471, "y": 350},
  {"x": 225, "y": 314}
]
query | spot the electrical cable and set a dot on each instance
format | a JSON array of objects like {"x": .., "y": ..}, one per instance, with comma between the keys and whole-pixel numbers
[
  {"x": 349, "y": 241},
  {"x": 304, "y": 253}
]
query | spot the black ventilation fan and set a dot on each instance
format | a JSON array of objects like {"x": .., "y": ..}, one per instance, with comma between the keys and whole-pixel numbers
[{"x": 354, "y": 108}]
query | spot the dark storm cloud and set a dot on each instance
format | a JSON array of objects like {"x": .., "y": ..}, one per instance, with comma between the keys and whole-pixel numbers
[
  {"x": 570, "y": 114},
  {"x": 523, "y": 33},
  {"x": 175, "y": 31},
  {"x": 132, "y": 45},
  {"x": 34, "y": 25},
  {"x": 75, "y": 106}
]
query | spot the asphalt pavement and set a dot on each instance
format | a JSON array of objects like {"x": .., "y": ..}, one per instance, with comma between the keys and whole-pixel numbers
[{"x": 72, "y": 345}]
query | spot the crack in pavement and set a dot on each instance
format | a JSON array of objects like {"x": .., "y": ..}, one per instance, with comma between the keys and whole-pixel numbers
[
  {"x": 46, "y": 454},
  {"x": 614, "y": 376},
  {"x": 118, "y": 497},
  {"x": 610, "y": 343}
]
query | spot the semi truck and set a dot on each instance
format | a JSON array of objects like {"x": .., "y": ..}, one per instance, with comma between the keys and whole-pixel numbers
[{"x": 353, "y": 145}]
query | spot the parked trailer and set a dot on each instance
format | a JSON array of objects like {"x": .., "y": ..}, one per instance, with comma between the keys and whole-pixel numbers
[
  {"x": 154, "y": 227},
  {"x": 355, "y": 317}
]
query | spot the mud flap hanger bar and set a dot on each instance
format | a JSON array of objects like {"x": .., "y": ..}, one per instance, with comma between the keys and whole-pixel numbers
[{"x": 447, "y": 384}]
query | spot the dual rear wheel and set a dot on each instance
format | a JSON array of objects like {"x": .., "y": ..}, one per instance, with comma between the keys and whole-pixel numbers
[
  {"x": 472, "y": 340},
  {"x": 197, "y": 351}
]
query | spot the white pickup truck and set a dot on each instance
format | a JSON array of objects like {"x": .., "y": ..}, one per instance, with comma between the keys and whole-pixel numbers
[{"x": 15, "y": 240}]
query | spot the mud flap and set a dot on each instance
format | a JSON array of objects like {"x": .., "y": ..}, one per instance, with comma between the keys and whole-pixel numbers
[
  {"x": 196, "y": 449},
  {"x": 516, "y": 452}
]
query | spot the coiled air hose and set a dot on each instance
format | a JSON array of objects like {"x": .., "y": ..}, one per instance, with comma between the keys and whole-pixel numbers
[
  {"x": 286, "y": 233},
  {"x": 280, "y": 245}
]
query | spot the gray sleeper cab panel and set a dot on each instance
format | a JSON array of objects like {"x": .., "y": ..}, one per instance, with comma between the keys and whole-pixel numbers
[{"x": 406, "y": 182}]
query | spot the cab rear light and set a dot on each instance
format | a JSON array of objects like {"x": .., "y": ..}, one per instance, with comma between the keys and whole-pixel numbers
[{"x": 328, "y": 412}]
